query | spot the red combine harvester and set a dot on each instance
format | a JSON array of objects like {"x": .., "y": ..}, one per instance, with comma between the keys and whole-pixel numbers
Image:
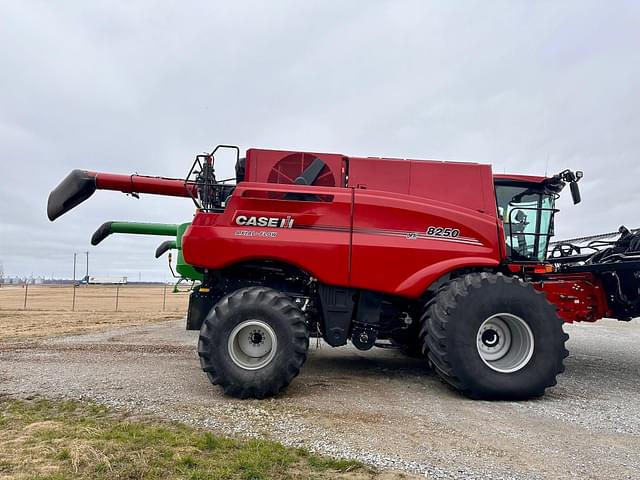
[{"x": 443, "y": 259}]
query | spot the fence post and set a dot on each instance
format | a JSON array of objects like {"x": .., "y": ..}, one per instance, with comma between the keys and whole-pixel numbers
[
  {"x": 26, "y": 289},
  {"x": 117, "y": 295},
  {"x": 164, "y": 296}
]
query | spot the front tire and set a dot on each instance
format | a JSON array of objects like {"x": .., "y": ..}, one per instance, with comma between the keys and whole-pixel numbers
[
  {"x": 494, "y": 337},
  {"x": 253, "y": 342}
]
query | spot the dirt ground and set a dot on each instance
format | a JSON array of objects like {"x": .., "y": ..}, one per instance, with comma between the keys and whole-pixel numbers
[
  {"x": 377, "y": 406},
  {"x": 49, "y": 308}
]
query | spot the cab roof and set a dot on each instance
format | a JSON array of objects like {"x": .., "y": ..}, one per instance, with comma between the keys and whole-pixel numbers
[{"x": 519, "y": 178}]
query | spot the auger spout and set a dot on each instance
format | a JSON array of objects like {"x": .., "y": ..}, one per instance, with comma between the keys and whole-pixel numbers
[
  {"x": 79, "y": 185},
  {"x": 135, "y": 228}
]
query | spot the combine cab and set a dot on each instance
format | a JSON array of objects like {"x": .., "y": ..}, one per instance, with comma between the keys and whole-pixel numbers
[{"x": 437, "y": 258}]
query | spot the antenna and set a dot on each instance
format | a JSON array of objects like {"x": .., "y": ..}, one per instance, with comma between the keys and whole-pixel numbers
[{"x": 546, "y": 168}]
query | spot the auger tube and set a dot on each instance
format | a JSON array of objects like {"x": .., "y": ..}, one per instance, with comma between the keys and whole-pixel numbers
[
  {"x": 79, "y": 185},
  {"x": 159, "y": 229},
  {"x": 136, "y": 228}
]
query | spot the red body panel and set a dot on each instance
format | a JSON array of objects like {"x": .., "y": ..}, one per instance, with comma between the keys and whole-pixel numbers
[
  {"x": 392, "y": 253},
  {"x": 467, "y": 185},
  {"x": 318, "y": 243},
  {"x": 372, "y": 235}
]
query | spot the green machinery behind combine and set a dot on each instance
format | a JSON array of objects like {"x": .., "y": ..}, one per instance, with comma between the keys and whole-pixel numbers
[{"x": 183, "y": 269}]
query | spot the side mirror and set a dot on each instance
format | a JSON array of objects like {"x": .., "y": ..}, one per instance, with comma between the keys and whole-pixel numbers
[{"x": 575, "y": 192}]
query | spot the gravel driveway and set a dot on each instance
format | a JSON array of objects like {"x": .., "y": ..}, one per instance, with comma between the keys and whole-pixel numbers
[{"x": 377, "y": 406}]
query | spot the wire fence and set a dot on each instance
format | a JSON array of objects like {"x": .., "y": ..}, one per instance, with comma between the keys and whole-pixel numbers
[{"x": 94, "y": 298}]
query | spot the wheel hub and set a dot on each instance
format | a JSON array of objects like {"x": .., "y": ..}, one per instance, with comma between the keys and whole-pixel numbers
[
  {"x": 252, "y": 344},
  {"x": 256, "y": 338},
  {"x": 505, "y": 343},
  {"x": 490, "y": 338}
]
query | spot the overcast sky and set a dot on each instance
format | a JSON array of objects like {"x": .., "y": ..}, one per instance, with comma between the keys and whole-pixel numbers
[{"x": 143, "y": 86}]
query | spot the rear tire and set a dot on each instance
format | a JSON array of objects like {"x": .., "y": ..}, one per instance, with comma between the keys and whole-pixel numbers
[
  {"x": 494, "y": 337},
  {"x": 253, "y": 342}
]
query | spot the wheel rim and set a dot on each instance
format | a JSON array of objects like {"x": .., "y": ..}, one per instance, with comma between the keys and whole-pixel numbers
[
  {"x": 505, "y": 342},
  {"x": 252, "y": 344}
]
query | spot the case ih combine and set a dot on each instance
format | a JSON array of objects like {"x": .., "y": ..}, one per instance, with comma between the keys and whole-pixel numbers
[{"x": 441, "y": 258}]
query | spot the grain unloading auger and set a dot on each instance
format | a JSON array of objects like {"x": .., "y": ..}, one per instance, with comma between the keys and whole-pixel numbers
[
  {"x": 200, "y": 185},
  {"x": 442, "y": 258},
  {"x": 184, "y": 270},
  {"x": 79, "y": 185}
]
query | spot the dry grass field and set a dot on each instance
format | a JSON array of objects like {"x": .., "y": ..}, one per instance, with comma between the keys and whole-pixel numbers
[
  {"x": 49, "y": 308},
  {"x": 59, "y": 440}
]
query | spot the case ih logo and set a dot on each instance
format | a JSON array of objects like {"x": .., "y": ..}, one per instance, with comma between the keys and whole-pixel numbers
[{"x": 273, "y": 222}]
